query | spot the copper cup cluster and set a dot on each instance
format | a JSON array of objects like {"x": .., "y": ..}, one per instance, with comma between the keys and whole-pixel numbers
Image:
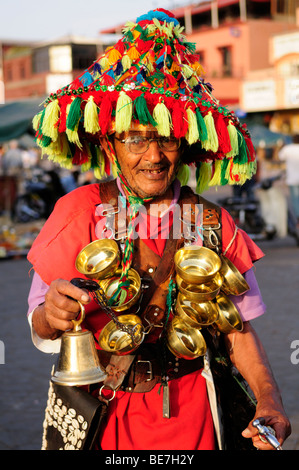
[
  {"x": 100, "y": 261},
  {"x": 204, "y": 280}
]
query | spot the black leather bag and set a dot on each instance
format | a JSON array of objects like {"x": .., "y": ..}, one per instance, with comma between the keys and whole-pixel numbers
[{"x": 73, "y": 418}]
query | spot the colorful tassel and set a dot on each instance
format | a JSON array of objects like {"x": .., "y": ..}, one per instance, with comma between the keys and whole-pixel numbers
[
  {"x": 123, "y": 113},
  {"x": 233, "y": 136},
  {"x": 216, "y": 179},
  {"x": 183, "y": 174},
  {"x": 91, "y": 118},
  {"x": 211, "y": 143},
  {"x": 162, "y": 117},
  {"x": 202, "y": 128},
  {"x": 51, "y": 116},
  {"x": 203, "y": 177},
  {"x": 192, "y": 135},
  {"x": 142, "y": 112},
  {"x": 73, "y": 114}
]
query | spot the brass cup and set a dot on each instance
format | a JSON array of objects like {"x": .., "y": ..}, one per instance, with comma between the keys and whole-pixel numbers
[
  {"x": 109, "y": 286},
  {"x": 196, "y": 264},
  {"x": 200, "y": 292},
  {"x": 119, "y": 342},
  {"x": 99, "y": 259},
  {"x": 229, "y": 318},
  {"x": 184, "y": 341},
  {"x": 233, "y": 281},
  {"x": 194, "y": 313}
]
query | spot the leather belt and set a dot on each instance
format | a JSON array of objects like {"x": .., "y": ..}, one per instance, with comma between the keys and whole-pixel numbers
[{"x": 146, "y": 369}]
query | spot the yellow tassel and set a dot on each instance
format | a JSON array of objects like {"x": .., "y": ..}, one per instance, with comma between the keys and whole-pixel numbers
[
  {"x": 123, "y": 113},
  {"x": 113, "y": 56},
  {"x": 104, "y": 62},
  {"x": 233, "y": 135},
  {"x": 91, "y": 118},
  {"x": 50, "y": 119},
  {"x": 192, "y": 135},
  {"x": 212, "y": 142},
  {"x": 202, "y": 183},
  {"x": 187, "y": 71},
  {"x": 216, "y": 179},
  {"x": 174, "y": 67},
  {"x": 193, "y": 82},
  {"x": 126, "y": 62},
  {"x": 198, "y": 68},
  {"x": 162, "y": 117},
  {"x": 133, "y": 53},
  {"x": 74, "y": 137},
  {"x": 36, "y": 121}
]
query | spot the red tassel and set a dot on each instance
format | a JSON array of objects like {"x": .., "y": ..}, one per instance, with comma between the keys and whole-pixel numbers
[
  {"x": 63, "y": 103},
  {"x": 250, "y": 147},
  {"x": 80, "y": 156},
  {"x": 222, "y": 133},
  {"x": 179, "y": 120},
  {"x": 105, "y": 114}
]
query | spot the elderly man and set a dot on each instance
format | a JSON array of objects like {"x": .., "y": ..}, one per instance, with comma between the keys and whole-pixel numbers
[{"x": 143, "y": 110}]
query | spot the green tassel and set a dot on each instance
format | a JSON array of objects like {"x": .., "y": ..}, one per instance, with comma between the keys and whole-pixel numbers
[
  {"x": 203, "y": 177},
  {"x": 202, "y": 129},
  {"x": 74, "y": 114},
  {"x": 183, "y": 174},
  {"x": 224, "y": 165},
  {"x": 242, "y": 156},
  {"x": 143, "y": 114}
]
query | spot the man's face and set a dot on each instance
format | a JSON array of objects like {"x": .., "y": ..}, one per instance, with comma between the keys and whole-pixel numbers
[{"x": 149, "y": 173}]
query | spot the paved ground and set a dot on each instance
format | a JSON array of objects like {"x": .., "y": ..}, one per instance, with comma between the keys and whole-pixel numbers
[{"x": 25, "y": 373}]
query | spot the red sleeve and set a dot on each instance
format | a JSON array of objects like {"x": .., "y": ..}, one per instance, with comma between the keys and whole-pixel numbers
[
  {"x": 241, "y": 249},
  {"x": 70, "y": 227}
]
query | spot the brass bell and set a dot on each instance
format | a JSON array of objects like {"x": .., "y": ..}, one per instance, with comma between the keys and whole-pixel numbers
[{"x": 78, "y": 362}]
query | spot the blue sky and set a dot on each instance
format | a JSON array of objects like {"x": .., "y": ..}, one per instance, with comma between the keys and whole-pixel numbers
[{"x": 45, "y": 20}]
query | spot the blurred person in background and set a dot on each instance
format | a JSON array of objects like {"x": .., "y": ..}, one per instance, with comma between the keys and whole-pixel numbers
[{"x": 290, "y": 155}]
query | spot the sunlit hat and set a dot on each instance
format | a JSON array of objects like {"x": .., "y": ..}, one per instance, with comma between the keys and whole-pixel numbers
[{"x": 152, "y": 76}]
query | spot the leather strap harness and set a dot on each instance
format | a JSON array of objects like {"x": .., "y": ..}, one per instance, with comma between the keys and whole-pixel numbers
[{"x": 151, "y": 363}]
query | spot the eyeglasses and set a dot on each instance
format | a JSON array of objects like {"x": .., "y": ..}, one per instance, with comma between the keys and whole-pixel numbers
[{"x": 139, "y": 144}]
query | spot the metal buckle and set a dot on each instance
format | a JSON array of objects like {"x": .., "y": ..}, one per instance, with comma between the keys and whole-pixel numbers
[{"x": 150, "y": 369}]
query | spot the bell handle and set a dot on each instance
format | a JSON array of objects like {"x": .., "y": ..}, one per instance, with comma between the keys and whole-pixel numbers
[{"x": 80, "y": 318}]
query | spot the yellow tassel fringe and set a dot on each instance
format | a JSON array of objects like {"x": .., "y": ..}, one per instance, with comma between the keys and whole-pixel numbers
[
  {"x": 123, "y": 114},
  {"x": 91, "y": 118}
]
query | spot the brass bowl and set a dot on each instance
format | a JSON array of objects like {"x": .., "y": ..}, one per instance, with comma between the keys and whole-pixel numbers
[
  {"x": 200, "y": 292},
  {"x": 119, "y": 342},
  {"x": 229, "y": 318},
  {"x": 233, "y": 281},
  {"x": 184, "y": 341},
  {"x": 99, "y": 259},
  {"x": 194, "y": 313},
  {"x": 196, "y": 264},
  {"x": 109, "y": 286}
]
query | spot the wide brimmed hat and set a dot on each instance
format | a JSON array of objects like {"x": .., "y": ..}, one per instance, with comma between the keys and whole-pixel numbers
[{"x": 152, "y": 76}]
